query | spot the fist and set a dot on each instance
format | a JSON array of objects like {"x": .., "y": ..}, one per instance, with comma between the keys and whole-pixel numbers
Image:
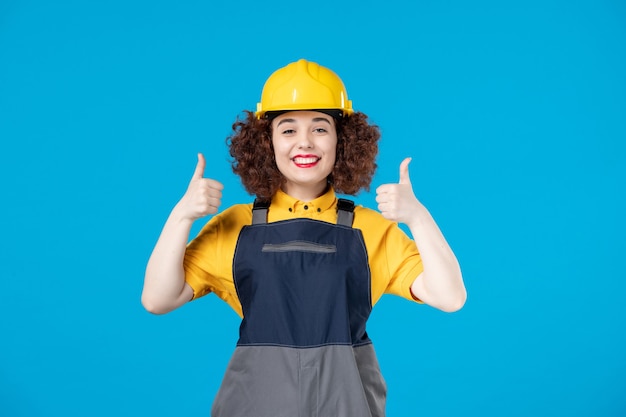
[{"x": 203, "y": 196}]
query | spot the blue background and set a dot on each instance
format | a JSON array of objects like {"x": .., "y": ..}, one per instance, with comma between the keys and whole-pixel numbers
[{"x": 514, "y": 114}]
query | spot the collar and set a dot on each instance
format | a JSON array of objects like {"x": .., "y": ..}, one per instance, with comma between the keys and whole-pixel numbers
[{"x": 286, "y": 204}]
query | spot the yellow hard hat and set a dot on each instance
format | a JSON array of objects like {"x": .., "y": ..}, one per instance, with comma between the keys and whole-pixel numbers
[{"x": 303, "y": 85}]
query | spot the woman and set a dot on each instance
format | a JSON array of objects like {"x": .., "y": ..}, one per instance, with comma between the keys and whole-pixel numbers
[{"x": 300, "y": 266}]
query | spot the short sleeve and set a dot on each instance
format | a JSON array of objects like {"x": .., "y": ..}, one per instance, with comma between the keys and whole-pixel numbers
[
  {"x": 394, "y": 259},
  {"x": 404, "y": 263},
  {"x": 208, "y": 257}
]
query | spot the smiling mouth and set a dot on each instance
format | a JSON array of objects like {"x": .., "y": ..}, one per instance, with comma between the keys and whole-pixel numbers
[{"x": 305, "y": 161}]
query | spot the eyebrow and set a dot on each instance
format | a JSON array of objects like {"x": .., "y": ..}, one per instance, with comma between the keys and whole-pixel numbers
[{"x": 315, "y": 120}]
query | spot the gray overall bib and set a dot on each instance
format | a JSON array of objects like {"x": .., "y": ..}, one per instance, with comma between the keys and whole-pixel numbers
[{"x": 304, "y": 286}]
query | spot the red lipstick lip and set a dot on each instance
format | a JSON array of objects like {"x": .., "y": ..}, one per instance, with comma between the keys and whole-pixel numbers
[{"x": 307, "y": 164}]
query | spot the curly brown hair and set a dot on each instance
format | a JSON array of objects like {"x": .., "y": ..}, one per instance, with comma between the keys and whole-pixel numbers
[{"x": 250, "y": 145}]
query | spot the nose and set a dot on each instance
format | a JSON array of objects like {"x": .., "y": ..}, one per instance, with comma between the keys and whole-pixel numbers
[{"x": 305, "y": 140}]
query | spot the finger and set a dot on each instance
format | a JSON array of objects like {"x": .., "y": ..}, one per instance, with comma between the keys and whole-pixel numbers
[
  {"x": 404, "y": 171},
  {"x": 199, "y": 172},
  {"x": 215, "y": 202},
  {"x": 383, "y": 189},
  {"x": 216, "y": 185},
  {"x": 385, "y": 214},
  {"x": 214, "y": 193}
]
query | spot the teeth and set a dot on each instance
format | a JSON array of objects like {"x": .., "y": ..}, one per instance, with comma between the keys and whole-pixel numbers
[{"x": 305, "y": 160}]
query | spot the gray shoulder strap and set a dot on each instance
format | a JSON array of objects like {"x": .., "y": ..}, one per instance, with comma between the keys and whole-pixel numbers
[
  {"x": 345, "y": 212},
  {"x": 259, "y": 211}
]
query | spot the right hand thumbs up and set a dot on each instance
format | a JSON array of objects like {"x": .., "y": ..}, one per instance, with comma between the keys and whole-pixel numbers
[{"x": 203, "y": 196}]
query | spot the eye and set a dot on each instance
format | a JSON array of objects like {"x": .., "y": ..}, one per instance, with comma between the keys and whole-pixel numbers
[
  {"x": 320, "y": 130},
  {"x": 288, "y": 132}
]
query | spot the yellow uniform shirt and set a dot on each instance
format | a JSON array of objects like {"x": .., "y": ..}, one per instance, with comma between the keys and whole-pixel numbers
[{"x": 393, "y": 257}]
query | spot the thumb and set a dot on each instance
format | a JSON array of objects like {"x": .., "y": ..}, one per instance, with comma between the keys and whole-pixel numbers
[
  {"x": 404, "y": 171},
  {"x": 199, "y": 172}
]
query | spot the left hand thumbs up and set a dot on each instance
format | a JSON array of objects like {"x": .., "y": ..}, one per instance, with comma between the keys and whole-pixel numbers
[
  {"x": 397, "y": 202},
  {"x": 404, "y": 171}
]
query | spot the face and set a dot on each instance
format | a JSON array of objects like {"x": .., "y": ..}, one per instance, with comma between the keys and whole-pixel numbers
[{"x": 305, "y": 144}]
